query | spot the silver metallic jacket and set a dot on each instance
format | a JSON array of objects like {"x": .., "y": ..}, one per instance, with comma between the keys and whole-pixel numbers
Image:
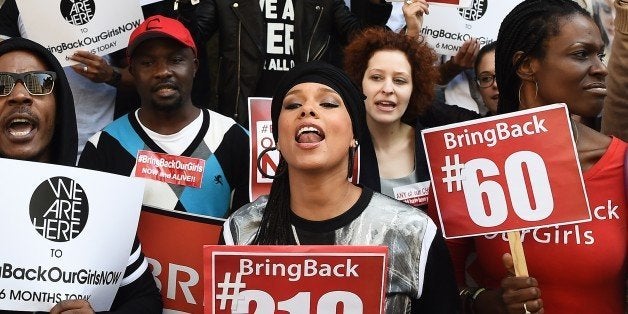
[{"x": 406, "y": 231}]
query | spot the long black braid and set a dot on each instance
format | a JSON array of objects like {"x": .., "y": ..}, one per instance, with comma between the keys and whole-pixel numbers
[
  {"x": 275, "y": 225},
  {"x": 526, "y": 28}
]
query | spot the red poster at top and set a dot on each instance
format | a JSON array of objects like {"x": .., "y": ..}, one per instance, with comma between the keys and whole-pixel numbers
[
  {"x": 295, "y": 279},
  {"x": 508, "y": 172},
  {"x": 454, "y": 2},
  {"x": 261, "y": 128}
]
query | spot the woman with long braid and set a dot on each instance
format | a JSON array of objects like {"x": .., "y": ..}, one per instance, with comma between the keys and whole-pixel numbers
[
  {"x": 550, "y": 51},
  {"x": 317, "y": 115}
]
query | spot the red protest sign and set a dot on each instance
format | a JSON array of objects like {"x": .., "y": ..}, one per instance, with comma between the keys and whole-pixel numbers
[
  {"x": 296, "y": 279},
  {"x": 505, "y": 173},
  {"x": 456, "y": 3},
  {"x": 261, "y": 128},
  {"x": 173, "y": 244},
  {"x": 179, "y": 170}
]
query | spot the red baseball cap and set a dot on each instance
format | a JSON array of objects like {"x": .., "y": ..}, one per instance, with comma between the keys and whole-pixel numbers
[{"x": 158, "y": 26}]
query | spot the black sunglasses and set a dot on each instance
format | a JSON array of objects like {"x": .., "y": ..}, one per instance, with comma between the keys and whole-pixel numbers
[{"x": 36, "y": 82}]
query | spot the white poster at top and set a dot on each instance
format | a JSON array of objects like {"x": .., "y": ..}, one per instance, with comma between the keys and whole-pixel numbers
[
  {"x": 446, "y": 27},
  {"x": 67, "y": 234},
  {"x": 64, "y": 26},
  {"x": 146, "y": 2}
]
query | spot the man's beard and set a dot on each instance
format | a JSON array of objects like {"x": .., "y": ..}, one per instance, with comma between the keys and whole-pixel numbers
[{"x": 168, "y": 106}]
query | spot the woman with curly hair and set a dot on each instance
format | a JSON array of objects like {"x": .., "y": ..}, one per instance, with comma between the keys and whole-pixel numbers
[{"x": 397, "y": 75}]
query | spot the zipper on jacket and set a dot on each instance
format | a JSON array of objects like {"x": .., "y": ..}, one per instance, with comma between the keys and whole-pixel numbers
[
  {"x": 309, "y": 46},
  {"x": 237, "y": 100}
]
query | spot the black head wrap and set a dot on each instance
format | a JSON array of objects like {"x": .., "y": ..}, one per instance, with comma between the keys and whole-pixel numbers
[
  {"x": 331, "y": 76},
  {"x": 64, "y": 143}
]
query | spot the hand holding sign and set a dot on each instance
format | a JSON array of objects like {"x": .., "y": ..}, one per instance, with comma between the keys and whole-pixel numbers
[{"x": 506, "y": 173}]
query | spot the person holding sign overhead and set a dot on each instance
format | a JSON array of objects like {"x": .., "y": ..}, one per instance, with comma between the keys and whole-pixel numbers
[
  {"x": 39, "y": 124},
  {"x": 317, "y": 114},
  {"x": 550, "y": 51}
]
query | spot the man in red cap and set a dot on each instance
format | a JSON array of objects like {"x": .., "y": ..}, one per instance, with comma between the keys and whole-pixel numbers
[{"x": 195, "y": 160}]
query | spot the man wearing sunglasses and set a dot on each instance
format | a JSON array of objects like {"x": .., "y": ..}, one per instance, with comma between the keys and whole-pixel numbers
[{"x": 38, "y": 123}]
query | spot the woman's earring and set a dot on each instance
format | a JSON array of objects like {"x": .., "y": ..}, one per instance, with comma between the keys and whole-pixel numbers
[{"x": 279, "y": 172}]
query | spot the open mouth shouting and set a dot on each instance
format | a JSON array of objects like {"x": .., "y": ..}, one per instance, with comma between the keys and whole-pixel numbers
[
  {"x": 19, "y": 128},
  {"x": 309, "y": 136}
]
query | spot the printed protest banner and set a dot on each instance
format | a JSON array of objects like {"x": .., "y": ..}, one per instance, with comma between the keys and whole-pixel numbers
[
  {"x": 173, "y": 169},
  {"x": 261, "y": 128},
  {"x": 173, "y": 244},
  {"x": 145, "y": 2},
  {"x": 508, "y": 172},
  {"x": 295, "y": 279},
  {"x": 447, "y": 27},
  {"x": 64, "y": 26},
  {"x": 67, "y": 233}
]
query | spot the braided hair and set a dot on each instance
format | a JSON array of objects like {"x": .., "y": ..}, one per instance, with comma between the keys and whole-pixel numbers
[{"x": 526, "y": 28}]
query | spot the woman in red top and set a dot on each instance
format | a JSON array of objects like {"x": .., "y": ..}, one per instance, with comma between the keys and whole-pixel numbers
[{"x": 550, "y": 51}]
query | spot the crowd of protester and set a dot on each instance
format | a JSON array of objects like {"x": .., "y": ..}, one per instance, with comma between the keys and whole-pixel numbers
[{"x": 341, "y": 83}]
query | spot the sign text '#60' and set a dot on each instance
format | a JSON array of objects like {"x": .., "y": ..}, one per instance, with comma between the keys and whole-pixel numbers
[{"x": 490, "y": 137}]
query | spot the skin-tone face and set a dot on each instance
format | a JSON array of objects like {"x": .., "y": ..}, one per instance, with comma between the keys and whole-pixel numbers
[
  {"x": 486, "y": 70},
  {"x": 387, "y": 84},
  {"x": 571, "y": 70},
  {"x": 27, "y": 121},
  {"x": 314, "y": 129},
  {"x": 163, "y": 70}
]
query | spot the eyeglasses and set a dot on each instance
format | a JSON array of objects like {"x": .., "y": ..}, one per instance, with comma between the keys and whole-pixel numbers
[
  {"x": 486, "y": 80},
  {"x": 37, "y": 83}
]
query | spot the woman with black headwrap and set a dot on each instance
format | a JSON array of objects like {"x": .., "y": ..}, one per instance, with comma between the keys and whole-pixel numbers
[{"x": 317, "y": 116}]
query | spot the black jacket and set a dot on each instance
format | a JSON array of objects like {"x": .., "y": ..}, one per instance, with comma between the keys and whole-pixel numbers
[{"x": 318, "y": 26}]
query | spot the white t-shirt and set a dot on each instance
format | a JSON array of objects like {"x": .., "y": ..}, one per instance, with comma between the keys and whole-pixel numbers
[{"x": 177, "y": 143}]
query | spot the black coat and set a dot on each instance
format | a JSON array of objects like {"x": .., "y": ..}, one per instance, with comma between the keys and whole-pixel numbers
[{"x": 319, "y": 24}]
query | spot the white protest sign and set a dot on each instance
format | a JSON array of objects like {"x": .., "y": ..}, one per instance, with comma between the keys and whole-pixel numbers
[
  {"x": 145, "y": 2},
  {"x": 67, "y": 233},
  {"x": 64, "y": 26},
  {"x": 446, "y": 27}
]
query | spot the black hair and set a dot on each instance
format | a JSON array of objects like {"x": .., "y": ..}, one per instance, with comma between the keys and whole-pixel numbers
[
  {"x": 483, "y": 51},
  {"x": 526, "y": 29}
]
